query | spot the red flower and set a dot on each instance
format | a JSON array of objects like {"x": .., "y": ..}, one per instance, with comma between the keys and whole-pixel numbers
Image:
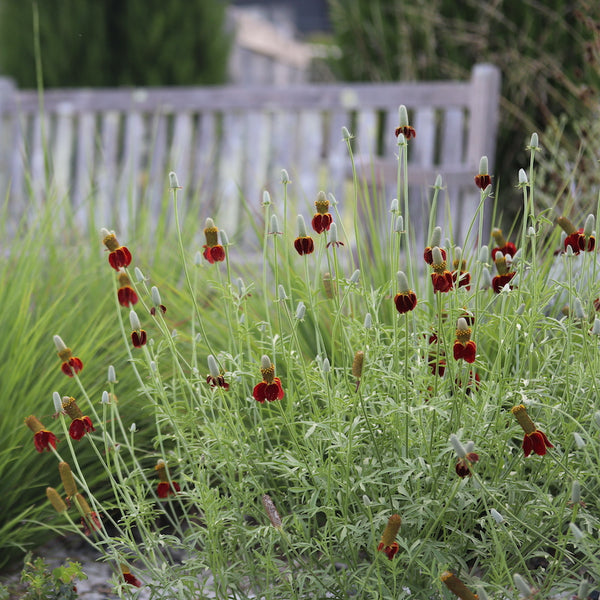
[
  {"x": 499, "y": 281},
  {"x": 213, "y": 251},
  {"x": 42, "y": 438},
  {"x": 442, "y": 281},
  {"x": 534, "y": 439},
  {"x": 166, "y": 487},
  {"x": 576, "y": 238},
  {"x": 80, "y": 424},
  {"x": 139, "y": 338},
  {"x": 304, "y": 245},
  {"x": 504, "y": 247},
  {"x": 462, "y": 279},
  {"x": 407, "y": 131},
  {"x": 405, "y": 301},
  {"x": 214, "y": 254},
  {"x": 217, "y": 381},
  {"x": 483, "y": 180},
  {"x": 268, "y": 391},
  {"x": 427, "y": 255},
  {"x": 129, "y": 578},
  {"x": 127, "y": 296},
  {"x": 388, "y": 545},
  {"x": 465, "y": 351},
  {"x": 463, "y": 465},
  {"x": 322, "y": 220},
  {"x": 119, "y": 256},
  {"x": 270, "y": 387},
  {"x": 70, "y": 364}
]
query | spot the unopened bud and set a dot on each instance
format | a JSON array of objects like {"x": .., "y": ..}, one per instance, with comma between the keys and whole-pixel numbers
[
  {"x": 368, "y": 321},
  {"x": 484, "y": 254},
  {"x": 105, "y": 398},
  {"x": 458, "y": 447},
  {"x": 533, "y": 143},
  {"x": 355, "y": 276},
  {"x": 438, "y": 182},
  {"x": 285, "y": 178},
  {"x": 588, "y": 227},
  {"x": 496, "y": 516},
  {"x": 224, "y": 238},
  {"x": 139, "y": 276},
  {"x": 300, "y": 311},
  {"x": 57, "y": 400},
  {"x": 531, "y": 232},
  {"x": 522, "y": 177},
  {"x": 575, "y": 492},
  {"x": 579, "y": 441},
  {"x": 281, "y": 295},
  {"x": 301, "y": 226},
  {"x": 326, "y": 367},
  {"x": 213, "y": 367},
  {"x": 134, "y": 321},
  {"x": 399, "y": 225},
  {"x": 394, "y": 206},
  {"x": 483, "y": 165},
  {"x": 266, "y": 199},
  {"x": 156, "y": 299},
  {"x": 596, "y": 326},
  {"x": 198, "y": 259},
  {"x": 133, "y": 428},
  {"x": 333, "y": 235},
  {"x": 436, "y": 237},
  {"x": 486, "y": 279},
  {"x": 173, "y": 181},
  {"x": 112, "y": 376},
  {"x": 274, "y": 224},
  {"x": 346, "y": 135},
  {"x": 402, "y": 116},
  {"x": 578, "y": 309}
]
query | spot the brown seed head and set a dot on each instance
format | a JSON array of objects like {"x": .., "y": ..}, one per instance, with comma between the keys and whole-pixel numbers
[
  {"x": 56, "y": 500},
  {"x": 357, "y": 364},
  {"x": 34, "y": 424},
  {"x": 65, "y": 354},
  {"x": 212, "y": 236},
  {"x": 124, "y": 279},
  {"x": 70, "y": 407},
  {"x": 68, "y": 481},
  {"x": 498, "y": 237},
  {"x": 391, "y": 530},
  {"x": 322, "y": 206},
  {"x": 566, "y": 225},
  {"x": 271, "y": 511},
  {"x": 268, "y": 373},
  {"x": 523, "y": 418},
  {"x": 456, "y": 586},
  {"x": 110, "y": 241}
]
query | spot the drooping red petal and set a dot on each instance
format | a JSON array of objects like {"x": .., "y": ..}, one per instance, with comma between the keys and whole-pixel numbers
[
  {"x": 217, "y": 253},
  {"x": 470, "y": 351},
  {"x": 91, "y": 520},
  {"x": 390, "y": 551},
  {"x": 442, "y": 282},
  {"x": 482, "y": 181},
  {"x": 207, "y": 254},
  {"x": 127, "y": 296},
  {"x": 131, "y": 580},
  {"x": 322, "y": 222},
  {"x": 462, "y": 279},
  {"x": 259, "y": 392},
  {"x": 428, "y": 255},
  {"x": 43, "y": 440},
  {"x": 304, "y": 245},
  {"x": 165, "y": 489},
  {"x": 539, "y": 442},
  {"x": 138, "y": 338},
  {"x": 527, "y": 445},
  {"x": 80, "y": 426},
  {"x": 405, "y": 301},
  {"x": 119, "y": 258},
  {"x": 499, "y": 281},
  {"x": 508, "y": 248}
]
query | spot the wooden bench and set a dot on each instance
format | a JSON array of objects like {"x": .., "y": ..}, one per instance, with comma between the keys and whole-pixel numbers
[{"x": 109, "y": 151}]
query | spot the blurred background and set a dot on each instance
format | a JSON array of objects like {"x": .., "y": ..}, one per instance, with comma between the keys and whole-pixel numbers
[{"x": 548, "y": 52}]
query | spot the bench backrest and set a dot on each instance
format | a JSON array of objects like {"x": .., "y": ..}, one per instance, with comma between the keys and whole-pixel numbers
[{"x": 110, "y": 150}]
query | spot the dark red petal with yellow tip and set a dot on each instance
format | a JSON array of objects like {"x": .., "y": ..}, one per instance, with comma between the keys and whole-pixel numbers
[
  {"x": 43, "y": 440},
  {"x": 119, "y": 258},
  {"x": 390, "y": 550},
  {"x": 466, "y": 352},
  {"x": 207, "y": 254},
  {"x": 442, "y": 282},
  {"x": 499, "y": 281},
  {"x": 428, "y": 256},
  {"x": 127, "y": 296},
  {"x": 165, "y": 489},
  {"x": 274, "y": 391},
  {"x": 405, "y": 301},
  {"x": 304, "y": 245},
  {"x": 138, "y": 338},
  {"x": 482, "y": 181},
  {"x": 508, "y": 248},
  {"x": 321, "y": 223}
]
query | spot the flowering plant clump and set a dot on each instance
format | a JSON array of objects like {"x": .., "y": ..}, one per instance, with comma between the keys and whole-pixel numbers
[{"x": 192, "y": 466}]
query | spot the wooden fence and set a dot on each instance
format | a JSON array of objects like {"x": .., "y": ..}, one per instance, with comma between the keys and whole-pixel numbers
[{"x": 109, "y": 151}]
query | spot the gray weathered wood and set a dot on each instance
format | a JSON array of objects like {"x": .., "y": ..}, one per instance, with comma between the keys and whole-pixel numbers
[{"x": 110, "y": 150}]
